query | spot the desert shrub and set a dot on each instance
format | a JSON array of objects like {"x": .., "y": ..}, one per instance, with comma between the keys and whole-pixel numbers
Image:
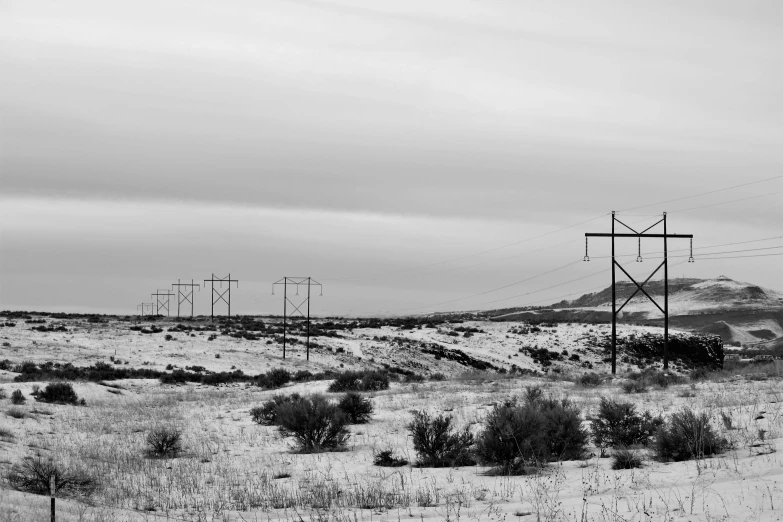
[
  {"x": 360, "y": 381},
  {"x": 513, "y": 437},
  {"x": 2, "y": 394},
  {"x": 436, "y": 444},
  {"x": 699, "y": 374},
  {"x": 437, "y": 377},
  {"x": 164, "y": 441},
  {"x": 565, "y": 436},
  {"x": 315, "y": 424},
  {"x": 687, "y": 435},
  {"x": 414, "y": 377},
  {"x": 387, "y": 459},
  {"x": 357, "y": 408},
  {"x": 633, "y": 386},
  {"x": 519, "y": 436},
  {"x": 652, "y": 377},
  {"x": 302, "y": 375},
  {"x": 58, "y": 392},
  {"x": 16, "y": 413},
  {"x": 267, "y": 413},
  {"x": 618, "y": 425},
  {"x": 589, "y": 380},
  {"x": 5, "y": 364},
  {"x": 624, "y": 458},
  {"x": 278, "y": 377},
  {"x": 33, "y": 475},
  {"x": 17, "y": 397}
]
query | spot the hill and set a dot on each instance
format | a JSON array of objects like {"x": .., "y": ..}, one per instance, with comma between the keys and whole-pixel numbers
[{"x": 742, "y": 314}]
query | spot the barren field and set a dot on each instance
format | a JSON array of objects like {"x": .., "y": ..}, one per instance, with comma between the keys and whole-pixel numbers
[{"x": 234, "y": 469}]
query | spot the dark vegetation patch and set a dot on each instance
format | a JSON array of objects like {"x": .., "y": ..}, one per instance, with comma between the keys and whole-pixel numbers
[{"x": 438, "y": 444}]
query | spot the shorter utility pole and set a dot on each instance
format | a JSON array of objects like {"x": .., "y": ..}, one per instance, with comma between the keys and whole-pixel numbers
[
  {"x": 161, "y": 303},
  {"x": 296, "y": 281},
  {"x": 186, "y": 295},
  {"x": 52, "y": 490},
  {"x": 144, "y": 306},
  {"x": 221, "y": 295}
]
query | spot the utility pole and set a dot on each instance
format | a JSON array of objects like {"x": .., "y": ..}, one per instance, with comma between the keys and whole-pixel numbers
[
  {"x": 144, "y": 307},
  {"x": 186, "y": 295},
  {"x": 640, "y": 287},
  {"x": 161, "y": 303},
  {"x": 221, "y": 295},
  {"x": 296, "y": 281}
]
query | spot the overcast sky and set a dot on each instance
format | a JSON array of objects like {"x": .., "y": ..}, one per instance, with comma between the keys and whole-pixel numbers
[{"x": 379, "y": 146}]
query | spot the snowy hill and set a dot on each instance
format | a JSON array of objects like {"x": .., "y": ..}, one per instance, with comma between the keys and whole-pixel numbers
[{"x": 741, "y": 313}]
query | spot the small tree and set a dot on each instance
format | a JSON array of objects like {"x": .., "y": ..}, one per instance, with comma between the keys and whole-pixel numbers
[
  {"x": 164, "y": 442},
  {"x": 315, "y": 424},
  {"x": 33, "y": 475},
  {"x": 358, "y": 408},
  {"x": 436, "y": 444}
]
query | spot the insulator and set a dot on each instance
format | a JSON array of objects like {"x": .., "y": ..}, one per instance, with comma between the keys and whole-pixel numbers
[
  {"x": 690, "y": 259},
  {"x": 586, "y": 258},
  {"x": 639, "y": 255}
]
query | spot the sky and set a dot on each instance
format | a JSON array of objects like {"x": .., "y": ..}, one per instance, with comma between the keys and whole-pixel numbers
[{"x": 412, "y": 156}]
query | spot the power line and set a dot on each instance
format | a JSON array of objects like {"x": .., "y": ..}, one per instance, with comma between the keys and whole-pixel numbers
[
  {"x": 707, "y": 253},
  {"x": 470, "y": 255},
  {"x": 738, "y": 257},
  {"x": 726, "y": 202},
  {"x": 496, "y": 289},
  {"x": 703, "y": 193}
]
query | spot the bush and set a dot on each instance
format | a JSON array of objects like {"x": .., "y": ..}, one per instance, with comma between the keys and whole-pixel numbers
[
  {"x": 437, "y": 377},
  {"x": 566, "y": 438},
  {"x": 618, "y": 425},
  {"x": 32, "y": 475},
  {"x": 58, "y": 392},
  {"x": 518, "y": 436},
  {"x": 513, "y": 437},
  {"x": 626, "y": 459},
  {"x": 436, "y": 444},
  {"x": 267, "y": 413},
  {"x": 17, "y": 397},
  {"x": 315, "y": 424},
  {"x": 386, "y": 459},
  {"x": 357, "y": 408},
  {"x": 164, "y": 442},
  {"x": 589, "y": 380},
  {"x": 278, "y": 377},
  {"x": 687, "y": 436},
  {"x": 360, "y": 381},
  {"x": 634, "y": 386}
]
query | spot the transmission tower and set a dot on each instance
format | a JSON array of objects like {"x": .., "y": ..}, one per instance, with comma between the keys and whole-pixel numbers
[
  {"x": 640, "y": 287},
  {"x": 221, "y": 295},
  {"x": 161, "y": 302},
  {"x": 144, "y": 307},
  {"x": 186, "y": 295},
  {"x": 296, "y": 281}
]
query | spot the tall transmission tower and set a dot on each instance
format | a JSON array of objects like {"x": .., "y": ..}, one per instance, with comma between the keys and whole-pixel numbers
[
  {"x": 161, "y": 302},
  {"x": 296, "y": 281},
  {"x": 185, "y": 295},
  {"x": 221, "y": 295},
  {"x": 640, "y": 287},
  {"x": 144, "y": 307}
]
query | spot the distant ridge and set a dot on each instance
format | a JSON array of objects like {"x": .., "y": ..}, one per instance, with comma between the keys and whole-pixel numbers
[{"x": 741, "y": 313}]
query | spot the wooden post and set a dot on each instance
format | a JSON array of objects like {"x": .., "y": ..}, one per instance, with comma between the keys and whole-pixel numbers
[{"x": 51, "y": 491}]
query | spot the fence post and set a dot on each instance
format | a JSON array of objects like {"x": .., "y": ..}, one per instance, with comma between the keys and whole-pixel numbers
[{"x": 51, "y": 491}]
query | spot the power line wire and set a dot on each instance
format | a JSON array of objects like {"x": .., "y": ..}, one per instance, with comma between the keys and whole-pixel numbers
[{"x": 704, "y": 193}]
